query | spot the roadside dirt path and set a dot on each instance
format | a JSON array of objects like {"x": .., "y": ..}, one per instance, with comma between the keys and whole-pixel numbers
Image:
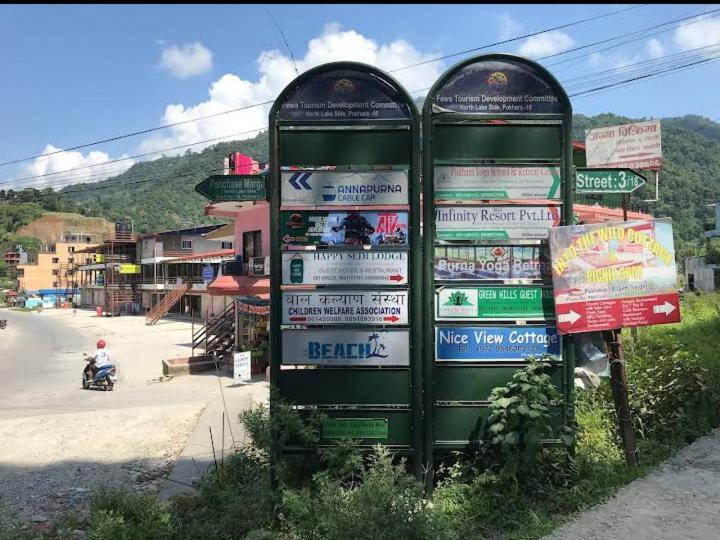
[{"x": 680, "y": 500}]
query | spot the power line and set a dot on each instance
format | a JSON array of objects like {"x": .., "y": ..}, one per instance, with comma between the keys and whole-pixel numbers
[{"x": 157, "y": 128}]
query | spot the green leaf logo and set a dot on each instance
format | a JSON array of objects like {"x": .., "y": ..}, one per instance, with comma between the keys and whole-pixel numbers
[{"x": 458, "y": 298}]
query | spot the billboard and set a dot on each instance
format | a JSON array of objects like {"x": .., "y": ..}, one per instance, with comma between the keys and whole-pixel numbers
[
  {"x": 456, "y": 182},
  {"x": 345, "y": 307},
  {"x": 614, "y": 275},
  {"x": 349, "y": 228},
  {"x": 470, "y": 262},
  {"x": 495, "y": 343},
  {"x": 325, "y": 267},
  {"x": 494, "y": 303},
  {"x": 347, "y": 347},
  {"x": 635, "y": 146},
  {"x": 495, "y": 222},
  {"x": 343, "y": 187}
]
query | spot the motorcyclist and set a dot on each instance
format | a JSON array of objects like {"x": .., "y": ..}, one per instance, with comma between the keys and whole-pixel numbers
[
  {"x": 356, "y": 229},
  {"x": 99, "y": 358}
]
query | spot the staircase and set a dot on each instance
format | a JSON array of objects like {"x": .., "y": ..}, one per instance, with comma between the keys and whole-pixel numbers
[
  {"x": 218, "y": 335},
  {"x": 168, "y": 301},
  {"x": 114, "y": 298}
]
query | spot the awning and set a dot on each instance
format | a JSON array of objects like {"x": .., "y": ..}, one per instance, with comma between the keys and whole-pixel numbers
[
  {"x": 209, "y": 256},
  {"x": 240, "y": 286}
]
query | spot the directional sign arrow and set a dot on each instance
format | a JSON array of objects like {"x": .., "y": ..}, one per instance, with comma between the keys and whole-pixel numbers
[
  {"x": 233, "y": 187},
  {"x": 667, "y": 308},
  {"x": 571, "y": 317},
  {"x": 396, "y": 277},
  {"x": 391, "y": 318},
  {"x": 589, "y": 180},
  {"x": 287, "y": 238}
]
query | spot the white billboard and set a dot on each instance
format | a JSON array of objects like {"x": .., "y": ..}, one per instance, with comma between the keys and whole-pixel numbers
[
  {"x": 345, "y": 307},
  {"x": 464, "y": 182},
  {"x": 339, "y": 267},
  {"x": 335, "y": 188},
  {"x": 635, "y": 146},
  {"x": 495, "y": 222},
  {"x": 346, "y": 347}
]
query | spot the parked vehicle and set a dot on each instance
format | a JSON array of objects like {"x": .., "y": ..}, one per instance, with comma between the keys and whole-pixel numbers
[
  {"x": 104, "y": 379},
  {"x": 3, "y": 324}
]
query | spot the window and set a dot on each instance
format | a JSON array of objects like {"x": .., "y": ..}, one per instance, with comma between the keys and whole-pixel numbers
[
  {"x": 71, "y": 260},
  {"x": 55, "y": 284},
  {"x": 56, "y": 260},
  {"x": 71, "y": 249},
  {"x": 186, "y": 244},
  {"x": 252, "y": 245},
  {"x": 225, "y": 245},
  {"x": 56, "y": 272}
]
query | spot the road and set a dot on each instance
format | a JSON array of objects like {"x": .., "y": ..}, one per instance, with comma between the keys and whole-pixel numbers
[{"x": 58, "y": 442}]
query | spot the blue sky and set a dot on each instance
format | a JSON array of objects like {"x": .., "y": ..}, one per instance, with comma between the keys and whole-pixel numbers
[{"x": 74, "y": 74}]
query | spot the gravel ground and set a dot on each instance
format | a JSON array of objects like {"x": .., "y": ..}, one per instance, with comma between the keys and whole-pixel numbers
[{"x": 680, "y": 500}]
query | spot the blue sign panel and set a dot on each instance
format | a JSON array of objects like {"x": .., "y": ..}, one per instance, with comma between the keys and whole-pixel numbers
[
  {"x": 208, "y": 273},
  {"x": 495, "y": 343}
]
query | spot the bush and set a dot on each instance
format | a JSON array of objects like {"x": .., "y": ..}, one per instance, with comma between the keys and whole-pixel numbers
[{"x": 120, "y": 514}]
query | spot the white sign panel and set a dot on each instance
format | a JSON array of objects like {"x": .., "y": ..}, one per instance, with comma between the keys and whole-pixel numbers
[
  {"x": 345, "y": 307},
  {"x": 497, "y": 182},
  {"x": 495, "y": 222},
  {"x": 341, "y": 267},
  {"x": 635, "y": 146},
  {"x": 347, "y": 347},
  {"x": 337, "y": 188},
  {"x": 241, "y": 367}
]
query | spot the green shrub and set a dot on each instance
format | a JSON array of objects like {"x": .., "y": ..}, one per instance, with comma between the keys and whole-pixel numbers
[{"x": 120, "y": 514}]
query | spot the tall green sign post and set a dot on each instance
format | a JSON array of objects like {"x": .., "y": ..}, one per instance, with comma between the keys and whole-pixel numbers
[
  {"x": 346, "y": 263},
  {"x": 497, "y": 173}
]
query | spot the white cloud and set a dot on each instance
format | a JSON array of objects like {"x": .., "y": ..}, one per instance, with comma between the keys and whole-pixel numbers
[
  {"x": 546, "y": 44},
  {"x": 596, "y": 59},
  {"x": 64, "y": 161},
  {"x": 698, "y": 33},
  {"x": 654, "y": 48},
  {"x": 276, "y": 70},
  {"x": 186, "y": 61},
  {"x": 507, "y": 26}
]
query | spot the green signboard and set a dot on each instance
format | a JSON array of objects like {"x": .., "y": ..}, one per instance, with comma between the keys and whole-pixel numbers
[
  {"x": 233, "y": 187},
  {"x": 494, "y": 303},
  {"x": 607, "y": 181},
  {"x": 355, "y": 428}
]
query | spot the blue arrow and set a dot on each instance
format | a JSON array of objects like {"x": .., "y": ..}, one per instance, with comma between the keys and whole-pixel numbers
[
  {"x": 293, "y": 180},
  {"x": 303, "y": 180}
]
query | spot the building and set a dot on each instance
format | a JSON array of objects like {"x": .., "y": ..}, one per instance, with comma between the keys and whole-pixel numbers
[
  {"x": 50, "y": 273},
  {"x": 703, "y": 273}
]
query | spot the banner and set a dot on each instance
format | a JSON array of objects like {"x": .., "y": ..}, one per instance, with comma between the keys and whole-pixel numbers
[
  {"x": 495, "y": 343},
  {"x": 614, "y": 275},
  {"x": 497, "y": 182},
  {"x": 349, "y": 228},
  {"x": 347, "y": 347},
  {"x": 345, "y": 307},
  {"x": 495, "y": 222},
  {"x": 635, "y": 146},
  {"x": 344, "y": 187},
  {"x": 341, "y": 267},
  {"x": 494, "y": 303},
  {"x": 457, "y": 263}
]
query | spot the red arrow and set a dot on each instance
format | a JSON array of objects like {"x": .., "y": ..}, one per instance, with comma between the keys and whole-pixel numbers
[
  {"x": 396, "y": 277},
  {"x": 391, "y": 318},
  {"x": 298, "y": 319}
]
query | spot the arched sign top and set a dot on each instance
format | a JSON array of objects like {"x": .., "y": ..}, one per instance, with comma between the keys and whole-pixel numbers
[
  {"x": 498, "y": 84},
  {"x": 343, "y": 91}
]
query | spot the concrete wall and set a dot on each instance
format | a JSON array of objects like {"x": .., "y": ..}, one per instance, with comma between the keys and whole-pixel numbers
[
  {"x": 40, "y": 275},
  {"x": 253, "y": 218},
  {"x": 704, "y": 274}
]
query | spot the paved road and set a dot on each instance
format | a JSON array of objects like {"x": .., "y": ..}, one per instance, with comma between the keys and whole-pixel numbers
[{"x": 680, "y": 500}]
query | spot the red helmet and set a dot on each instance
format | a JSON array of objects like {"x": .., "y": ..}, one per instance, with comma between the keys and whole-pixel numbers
[{"x": 100, "y": 344}]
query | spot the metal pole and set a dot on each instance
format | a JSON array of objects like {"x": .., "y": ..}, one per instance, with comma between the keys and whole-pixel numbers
[{"x": 618, "y": 384}]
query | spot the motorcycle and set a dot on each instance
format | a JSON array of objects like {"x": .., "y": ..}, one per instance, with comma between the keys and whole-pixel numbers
[{"x": 105, "y": 377}]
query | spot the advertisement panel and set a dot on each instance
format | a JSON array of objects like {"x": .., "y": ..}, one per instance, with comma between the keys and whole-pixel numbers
[
  {"x": 457, "y": 182},
  {"x": 458, "y": 263},
  {"x": 495, "y": 343},
  {"x": 349, "y": 228},
  {"x": 495, "y": 222},
  {"x": 345, "y": 307},
  {"x": 343, "y": 187},
  {"x": 494, "y": 303},
  {"x": 340, "y": 267},
  {"x": 635, "y": 146},
  {"x": 614, "y": 275},
  {"x": 241, "y": 367},
  {"x": 347, "y": 347}
]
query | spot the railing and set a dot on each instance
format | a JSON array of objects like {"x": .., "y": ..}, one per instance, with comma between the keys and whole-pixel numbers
[
  {"x": 218, "y": 334},
  {"x": 167, "y": 302},
  {"x": 120, "y": 237}
]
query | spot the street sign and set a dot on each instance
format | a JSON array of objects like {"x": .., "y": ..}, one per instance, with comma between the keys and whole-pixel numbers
[
  {"x": 635, "y": 146},
  {"x": 347, "y": 347},
  {"x": 233, "y": 187},
  {"x": 241, "y": 367},
  {"x": 614, "y": 275},
  {"x": 607, "y": 181},
  {"x": 458, "y": 263},
  {"x": 355, "y": 428},
  {"x": 345, "y": 307},
  {"x": 458, "y": 182},
  {"x": 333, "y": 188},
  {"x": 494, "y": 303},
  {"x": 495, "y": 343},
  {"x": 495, "y": 222},
  {"x": 350, "y": 228},
  {"x": 342, "y": 267}
]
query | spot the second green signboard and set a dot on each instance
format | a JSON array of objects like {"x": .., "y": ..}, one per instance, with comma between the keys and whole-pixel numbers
[{"x": 494, "y": 303}]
